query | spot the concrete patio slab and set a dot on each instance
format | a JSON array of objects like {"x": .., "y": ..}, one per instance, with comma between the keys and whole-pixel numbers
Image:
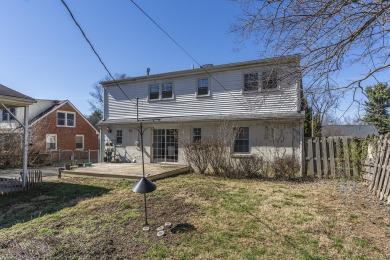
[{"x": 128, "y": 171}]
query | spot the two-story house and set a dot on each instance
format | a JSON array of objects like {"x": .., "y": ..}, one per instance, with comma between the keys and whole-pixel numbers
[{"x": 261, "y": 98}]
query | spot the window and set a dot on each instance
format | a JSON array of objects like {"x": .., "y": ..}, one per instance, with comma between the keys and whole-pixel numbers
[
  {"x": 167, "y": 90},
  {"x": 241, "y": 142},
  {"x": 270, "y": 80},
  {"x": 51, "y": 142},
  {"x": 118, "y": 136},
  {"x": 251, "y": 82},
  {"x": 203, "y": 87},
  {"x": 197, "y": 135},
  {"x": 79, "y": 142},
  {"x": 66, "y": 119},
  {"x": 7, "y": 116},
  {"x": 154, "y": 92},
  {"x": 161, "y": 91}
]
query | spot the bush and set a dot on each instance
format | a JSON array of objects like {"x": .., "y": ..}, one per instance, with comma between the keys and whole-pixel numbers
[{"x": 285, "y": 167}]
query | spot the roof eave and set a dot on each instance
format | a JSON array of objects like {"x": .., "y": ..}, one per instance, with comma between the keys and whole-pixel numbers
[{"x": 218, "y": 68}]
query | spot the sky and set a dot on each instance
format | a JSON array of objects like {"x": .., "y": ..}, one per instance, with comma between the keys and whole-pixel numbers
[{"x": 43, "y": 53}]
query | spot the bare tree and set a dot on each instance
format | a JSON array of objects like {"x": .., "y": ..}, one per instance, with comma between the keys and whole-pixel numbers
[
  {"x": 96, "y": 102},
  {"x": 330, "y": 35}
]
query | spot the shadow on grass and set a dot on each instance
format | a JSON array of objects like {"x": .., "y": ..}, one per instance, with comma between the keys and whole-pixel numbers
[{"x": 49, "y": 198}]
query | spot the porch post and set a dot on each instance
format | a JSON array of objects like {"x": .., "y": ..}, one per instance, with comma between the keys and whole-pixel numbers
[
  {"x": 302, "y": 148},
  {"x": 25, "y": 147}
]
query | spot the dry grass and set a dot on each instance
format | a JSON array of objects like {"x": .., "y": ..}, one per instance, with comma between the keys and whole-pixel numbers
[{"x": 233, "y": 219}]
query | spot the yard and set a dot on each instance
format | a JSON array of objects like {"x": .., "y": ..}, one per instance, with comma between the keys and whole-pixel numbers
[{"x": 211, "y": 218}]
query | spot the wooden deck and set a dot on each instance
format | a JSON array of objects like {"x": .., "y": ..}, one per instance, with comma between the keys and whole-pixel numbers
[{"x": 127, "y": 171}]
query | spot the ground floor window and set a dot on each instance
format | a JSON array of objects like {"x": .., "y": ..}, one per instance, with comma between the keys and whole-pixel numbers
[
  {"x": 118, "y": 136},
  {"x": 241, "y": 142},
  {"x": 196, "y": 134},
  {"x": 51, "y": 142},
  {"x": 80, "y": 142},
  {"x": 165, "y": 145}
]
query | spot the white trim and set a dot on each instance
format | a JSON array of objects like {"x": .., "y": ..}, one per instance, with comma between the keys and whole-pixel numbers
[
  {"x": 56, "y": 143},
  {"x": 159, "y": 84},
  {"x": 249, "y": 143},
  {"x": 208, "y": 87},
  {"x": 66, "y": 118},
  {"x": 83, "y": 142}
]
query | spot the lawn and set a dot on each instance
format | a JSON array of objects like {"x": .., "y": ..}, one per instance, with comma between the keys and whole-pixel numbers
[{"x": 211, "y": 218}]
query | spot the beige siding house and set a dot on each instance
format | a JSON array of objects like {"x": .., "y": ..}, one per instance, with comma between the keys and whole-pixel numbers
[{"x": 260, "y": 97}]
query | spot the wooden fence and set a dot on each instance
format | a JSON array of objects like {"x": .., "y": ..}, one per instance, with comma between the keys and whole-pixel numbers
[
  {"x": 34, "y": 179},
  {"x": 331, "y": 157},
  {"x": 377, "y": 168}
]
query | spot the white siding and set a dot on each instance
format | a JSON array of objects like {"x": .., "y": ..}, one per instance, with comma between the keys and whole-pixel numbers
[
  {"x": 228, "y": 99},
  {"x": 268, "y": 139}
]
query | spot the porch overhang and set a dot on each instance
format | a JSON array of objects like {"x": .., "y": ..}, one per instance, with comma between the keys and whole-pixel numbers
[{"x": 208, "y": 118}]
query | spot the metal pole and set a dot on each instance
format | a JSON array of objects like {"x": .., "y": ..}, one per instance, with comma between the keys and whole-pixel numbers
[
  {"x": 25, "y": 147},
  {"x": 142, "y": 151},
  {"x": 146, "y": 212}
]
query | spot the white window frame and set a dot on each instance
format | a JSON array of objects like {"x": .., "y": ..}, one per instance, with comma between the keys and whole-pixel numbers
[
  {"x": 9, "y": 116},
  {"x": 83, "y": 141},
  {"x": 193, "y": 134},
  {"x": 208, "y": 87},
  {"x": 116, "y": 137},
  {"x": 55, "y": 144},
  {"x": 258, "y": 82},
  {"x": 249, "y": 141},
  {"x": 270, "y": 74},
  {"x": 66, "y": 119},
  {"x": 160, "y": 94}
]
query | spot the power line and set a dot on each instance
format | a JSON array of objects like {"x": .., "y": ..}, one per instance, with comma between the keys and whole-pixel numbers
[
  {"x": 93, "y": 49},
  {"x": 184, "y": 50}
]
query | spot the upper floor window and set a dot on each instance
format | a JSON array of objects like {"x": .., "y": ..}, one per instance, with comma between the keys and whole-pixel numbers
[
  {"x": 161, "y": 91},
  {"x": 241, "y": 141},
  {"x": 167, "y": 90},
  {"x": 66, "y": 119},
  {"x": 203, "y": 87},
  {"x": 6, "y": 116},
  {"x": 154, "y": 91},
  {"x": 79, "y": 142},
  {"x": 251, "y": 81},
  {"x": 51, "y": 142},
  {"x": 197, "y": 134},
  {"x": 118, "y": 136},
  {"x": 270, "y": 80}
]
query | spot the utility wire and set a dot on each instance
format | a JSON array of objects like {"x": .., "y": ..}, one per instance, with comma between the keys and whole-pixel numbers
[
  {"x": 186, "y": 52},
  {"x": 93, "y": 49}
]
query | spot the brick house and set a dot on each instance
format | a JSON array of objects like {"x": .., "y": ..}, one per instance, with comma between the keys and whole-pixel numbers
[{"x": 60, "y": 130}]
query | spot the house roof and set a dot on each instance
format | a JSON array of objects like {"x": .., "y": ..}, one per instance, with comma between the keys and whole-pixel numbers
[
  {"x": 13, "y": 98},
  {"x": 359, "y": 131},
  {"x": 236, "y": 117},
  {"x": 293, "y": 59},
  {"x": 49, "y": 106}
]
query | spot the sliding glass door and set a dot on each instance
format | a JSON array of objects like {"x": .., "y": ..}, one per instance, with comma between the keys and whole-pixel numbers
[{"x": 165, "y": 145}]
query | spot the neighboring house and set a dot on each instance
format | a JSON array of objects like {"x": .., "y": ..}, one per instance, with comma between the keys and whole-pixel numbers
[
  {"x": 56, "y": 126},
  {"x": 9, "y": 101},
  {"x": 261, "y": 98},
  {"x": 358, "y": 131}
]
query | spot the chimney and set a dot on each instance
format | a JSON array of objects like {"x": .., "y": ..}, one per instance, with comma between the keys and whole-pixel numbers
[{"x": 147, "y": 71}]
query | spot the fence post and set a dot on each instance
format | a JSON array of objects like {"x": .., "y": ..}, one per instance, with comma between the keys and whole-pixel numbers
[
  {"x": 346, "y": 157},
  {"x": 325, "y": 155},
  {"x": 318, "y": 157}
]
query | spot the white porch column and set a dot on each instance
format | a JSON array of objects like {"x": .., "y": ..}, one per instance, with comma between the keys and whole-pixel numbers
[{"x": 25, "y": 147}]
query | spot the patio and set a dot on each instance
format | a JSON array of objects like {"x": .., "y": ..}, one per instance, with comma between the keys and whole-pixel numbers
[{"x": 127, "y": 171}]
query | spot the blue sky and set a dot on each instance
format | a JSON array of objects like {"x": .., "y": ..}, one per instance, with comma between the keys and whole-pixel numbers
[{"x": 44, "y": 55}]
